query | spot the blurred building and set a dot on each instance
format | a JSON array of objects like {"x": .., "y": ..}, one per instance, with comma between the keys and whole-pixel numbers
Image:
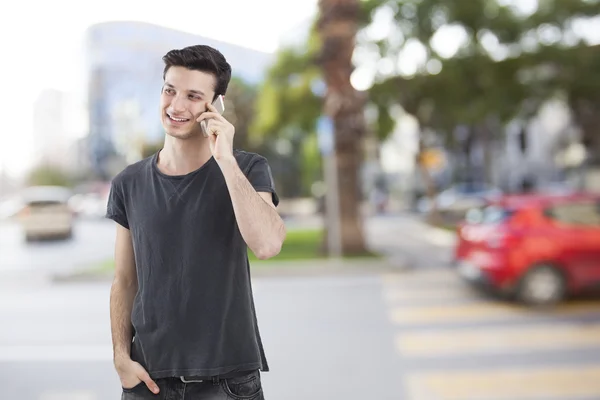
[
  {"x": 544, "y": 153},
  {"x": 123, "y": 62},
  {"x": 540, "y": 152}
]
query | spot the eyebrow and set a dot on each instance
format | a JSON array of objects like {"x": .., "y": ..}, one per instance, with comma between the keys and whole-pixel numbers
[{"x": 199, "y": 92}]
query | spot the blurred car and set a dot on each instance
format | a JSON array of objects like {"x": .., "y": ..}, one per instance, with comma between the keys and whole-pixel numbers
[
  {"x": 458, "y": 199},
  {"x": 46, "y": 213},
  {"x": 539, "y": 248}
]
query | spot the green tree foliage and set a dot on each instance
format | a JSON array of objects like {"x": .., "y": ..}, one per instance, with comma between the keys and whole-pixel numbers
[
  {"x": 48, "y": 175},
  {"x": 289, "y": 98},
  {"x": 288, "y": 104},
  {"x": 240, "y": 110},
  {"x": 510, "y": 62}
]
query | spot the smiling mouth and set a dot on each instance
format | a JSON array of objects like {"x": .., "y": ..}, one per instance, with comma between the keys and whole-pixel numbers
[{"x": 177, "y": 119}]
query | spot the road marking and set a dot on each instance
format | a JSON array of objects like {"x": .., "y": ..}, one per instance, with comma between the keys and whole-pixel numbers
[
  {"x": 498, "y": 340},
  {"x": 499, "y": 384},
  {"x": 393, "y": 294},
  {"x": 484, "y": 311},
  {"x": 56, "y": 353},
  {"x": 424, "y": 278}
]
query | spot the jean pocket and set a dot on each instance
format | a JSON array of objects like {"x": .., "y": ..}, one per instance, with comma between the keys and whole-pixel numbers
[
  {"x": 135, "y": 388},
  {"x": 245, "y": 387}
]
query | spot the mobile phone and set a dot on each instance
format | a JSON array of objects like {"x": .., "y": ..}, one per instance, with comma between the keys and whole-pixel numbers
[{"x": 219, "y": 104}]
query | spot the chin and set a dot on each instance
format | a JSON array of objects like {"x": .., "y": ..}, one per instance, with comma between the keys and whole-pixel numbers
[
  {"x": 183, "y": 135},
  {"x": 179, "y": 133}
]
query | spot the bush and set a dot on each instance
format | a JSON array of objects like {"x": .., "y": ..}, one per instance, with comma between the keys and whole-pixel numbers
[{"x": 49, "y": 175}]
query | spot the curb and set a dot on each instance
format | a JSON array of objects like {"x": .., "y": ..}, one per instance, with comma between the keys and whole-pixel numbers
[{"x": 307, "y": 268}]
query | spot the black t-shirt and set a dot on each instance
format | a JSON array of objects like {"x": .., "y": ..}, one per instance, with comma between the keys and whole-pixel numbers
[{"x": 194, "y": 311}]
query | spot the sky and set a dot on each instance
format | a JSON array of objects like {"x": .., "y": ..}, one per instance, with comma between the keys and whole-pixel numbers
[{"x": 41, "y": 42}]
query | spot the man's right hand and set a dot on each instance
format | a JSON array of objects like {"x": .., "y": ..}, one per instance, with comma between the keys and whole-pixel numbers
[{"x": 132, "y": 374}]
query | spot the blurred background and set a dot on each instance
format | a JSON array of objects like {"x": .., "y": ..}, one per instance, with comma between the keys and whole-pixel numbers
[{"x": 438, "y": 164}]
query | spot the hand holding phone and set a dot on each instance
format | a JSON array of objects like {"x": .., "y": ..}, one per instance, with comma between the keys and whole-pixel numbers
[{"x": 219, "y": 104}]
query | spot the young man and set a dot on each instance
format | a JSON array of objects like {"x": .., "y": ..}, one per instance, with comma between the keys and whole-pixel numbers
[{"x": 182, "y": 312}]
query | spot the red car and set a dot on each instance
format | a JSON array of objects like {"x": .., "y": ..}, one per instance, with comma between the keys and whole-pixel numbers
[{"x": 539, "y": 248}]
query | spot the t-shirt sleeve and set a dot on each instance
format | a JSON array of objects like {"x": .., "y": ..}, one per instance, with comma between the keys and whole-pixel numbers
[
  {"x": 261, "y": 178},
  {"x": 115, "y": 209}
]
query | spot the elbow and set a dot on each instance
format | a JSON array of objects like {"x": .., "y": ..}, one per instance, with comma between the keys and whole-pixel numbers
[
  {"x": 270, "y": 249},
  {"x": 266, "y": 252}
]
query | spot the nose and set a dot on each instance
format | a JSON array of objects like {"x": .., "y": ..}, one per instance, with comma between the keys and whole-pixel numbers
[{"x": 178, "y": 104}]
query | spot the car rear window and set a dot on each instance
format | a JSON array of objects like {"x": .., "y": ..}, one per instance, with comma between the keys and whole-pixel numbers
[
  {"x": 577, "y": 213},
  {"x": 489, "y": 215},
  {"x": 496, "y": 215}
]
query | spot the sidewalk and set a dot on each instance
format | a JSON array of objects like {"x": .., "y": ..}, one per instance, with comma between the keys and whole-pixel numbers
[
  {"x": 407, "y": 239},
  {"x": 392, "y": 236}
]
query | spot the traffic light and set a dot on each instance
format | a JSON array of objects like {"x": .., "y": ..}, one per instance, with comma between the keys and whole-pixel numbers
[{"x": 432, "y": 159}]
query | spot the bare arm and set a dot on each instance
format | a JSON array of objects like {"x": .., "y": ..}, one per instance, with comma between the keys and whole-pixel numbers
[
  {"x": 260, "y": 225},
  {"x": 122, "y": 294},
  {"x": 259, "y": 222}
]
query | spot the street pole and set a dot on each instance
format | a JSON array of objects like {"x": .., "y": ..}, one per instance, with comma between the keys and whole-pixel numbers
[
  {"x": 334, "y": 234},
  {"x": 326, "y": 140}
]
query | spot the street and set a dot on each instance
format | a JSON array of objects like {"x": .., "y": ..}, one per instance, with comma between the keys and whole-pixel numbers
[
  {"x": 93, "y": 241},
  {"x": 415, "y": 334}
]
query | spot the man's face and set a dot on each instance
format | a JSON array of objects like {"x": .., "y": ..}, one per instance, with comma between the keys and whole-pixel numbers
[{"x": 183, "y": 98}]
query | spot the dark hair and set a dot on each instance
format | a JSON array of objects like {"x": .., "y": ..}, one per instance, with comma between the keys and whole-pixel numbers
[{"x": 201, "y": 58}]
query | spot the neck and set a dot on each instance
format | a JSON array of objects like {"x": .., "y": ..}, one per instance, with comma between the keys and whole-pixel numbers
[{"x": 180, "y": 157}]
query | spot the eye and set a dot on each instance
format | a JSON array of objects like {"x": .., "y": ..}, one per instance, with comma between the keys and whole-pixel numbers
[
  {"x": 193, "y": 97},
  {"x": 169, "y": 91}
]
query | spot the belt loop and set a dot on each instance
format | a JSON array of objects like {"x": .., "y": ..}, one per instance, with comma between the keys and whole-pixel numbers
[{"x": 215, "y": 380}]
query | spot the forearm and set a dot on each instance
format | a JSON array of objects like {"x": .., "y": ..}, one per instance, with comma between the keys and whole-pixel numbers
[
  {"x": 261, "y": 226},
  {"x": 122, "y": 295}
]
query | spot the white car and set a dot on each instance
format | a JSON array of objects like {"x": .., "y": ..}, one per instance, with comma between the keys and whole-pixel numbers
[
  {"x": 46, "y": 213},
  {"x": 461, "y": 197}
]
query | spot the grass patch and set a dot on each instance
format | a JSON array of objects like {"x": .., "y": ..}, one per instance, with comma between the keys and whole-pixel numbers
[
  {"x": 447, "y": 227},
  {"x": 304, "y": 245},
  {"x": 298, "y": 245},
  {"x": 105, "y": 266}
]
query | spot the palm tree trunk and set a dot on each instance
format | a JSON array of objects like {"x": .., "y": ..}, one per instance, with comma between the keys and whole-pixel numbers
[{"x": 337, "y": 26}]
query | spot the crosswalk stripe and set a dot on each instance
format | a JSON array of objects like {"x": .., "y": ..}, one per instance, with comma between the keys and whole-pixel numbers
[
  {"x": 569, "y": 382},
  {"x": 483, "y": 311},
  {"x": 393, "y": 294},
  {"x": 498, "y": 340},
  {"x": 424, "y": 277}
]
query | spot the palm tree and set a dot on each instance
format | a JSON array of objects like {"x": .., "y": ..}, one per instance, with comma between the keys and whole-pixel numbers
[{"x": 337, "y": 26}]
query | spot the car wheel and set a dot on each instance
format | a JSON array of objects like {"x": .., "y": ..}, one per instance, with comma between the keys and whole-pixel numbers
[{"x": 543, "y": 285}]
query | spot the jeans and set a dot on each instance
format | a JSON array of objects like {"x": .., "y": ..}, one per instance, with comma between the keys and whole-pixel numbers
[{"x": 243, "y": 387}]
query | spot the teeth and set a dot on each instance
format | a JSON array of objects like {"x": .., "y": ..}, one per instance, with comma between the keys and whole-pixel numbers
[{"x": 178, "y": 119}]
